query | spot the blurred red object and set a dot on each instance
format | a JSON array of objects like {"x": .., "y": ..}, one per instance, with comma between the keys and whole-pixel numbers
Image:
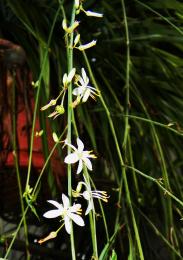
[{"x": 12, "y": 60}]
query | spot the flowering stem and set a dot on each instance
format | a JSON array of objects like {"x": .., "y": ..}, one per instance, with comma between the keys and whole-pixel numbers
[{"x": 69, "y": 42}]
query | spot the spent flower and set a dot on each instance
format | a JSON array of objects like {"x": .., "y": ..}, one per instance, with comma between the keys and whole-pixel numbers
[
  {"x": 87, "y": 45},
  {"x": 93, "y": 14},
  {"x": 59, "y": 110},
  {"x": 50, "y": 104},
  {"x": 67, "y": 212},
  {"x": 71, "y": 28}
]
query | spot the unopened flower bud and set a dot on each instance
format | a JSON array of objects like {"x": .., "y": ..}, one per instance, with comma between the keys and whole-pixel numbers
[
  {"x": 76, "y": 40},
  {"x": 55, "y": 137},
  {"x": 76, "y": 4},
  {"x": 64, "y": 24}
]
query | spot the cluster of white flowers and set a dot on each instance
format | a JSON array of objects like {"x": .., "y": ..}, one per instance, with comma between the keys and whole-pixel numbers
[{"x": 82, "y": 91}]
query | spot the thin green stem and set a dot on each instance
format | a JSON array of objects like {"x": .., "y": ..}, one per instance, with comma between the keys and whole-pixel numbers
[
  {"x": 163, "y": 17},
  {"x": 92, "y": 218},
  {"x": 37, "y": 98},
  {"x": 158, "y": 182},
  {"x": 127, "y": 82},
  {"x": 15, "y": 152},
  {"x": 69, "y": 50},
  {"x": 33, "y": 193},
  {"x": 166, "y": 126},
  {"x": 158, "y": 233},
  {"x": 120, "y": 159},
  {"x": 168, "y": 205},
  {"x": 102, "y": 210},
  {"x": 16, "y": 233}
]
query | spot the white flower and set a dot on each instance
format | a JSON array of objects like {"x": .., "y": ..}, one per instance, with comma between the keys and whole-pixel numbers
[
  {"x": 79, "y": 155},
  {"x": 66, "y": 211},
  {"x": 88, "y": 195},
  {"x": 84, "y": 90}
]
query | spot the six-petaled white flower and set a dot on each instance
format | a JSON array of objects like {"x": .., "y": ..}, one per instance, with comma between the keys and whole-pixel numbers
[
  {"x": 79, "y": 155},
  {"x": 88, "y": 195},
  {"x": 66, "y": 211},
  {"x": 84, "y": 90}
]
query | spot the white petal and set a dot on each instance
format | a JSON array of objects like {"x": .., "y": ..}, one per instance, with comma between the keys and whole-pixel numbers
[
  {"x": 64, "y": 80},
  {"x": 86, "y": 195},
  {"x": 85, "y": 78},
  {"x": 82, "y": 83},
  {"x": 77, "y": 219},
  {"x": 75, "y": 208},
  {"x": 52, "y": 213},
  {"x": 56, "y": 204},
  {"x": 94, "y": 14},
  {"x": 71, "y": 158},
  {"x": 65, "y": 200},
  {"x": 88, "y": 163},
  {"x": 80, "y": 145},
  {"x": 67, "y": 224},
  {"x": 80, "y": 166},
  {"x": 90, "y": 207},
  {"x": 86, "y": 95},
  {"x": 71, "y": 75},
  {"x": 78, "y": 91},
  {"x": 70, "y": 145}
]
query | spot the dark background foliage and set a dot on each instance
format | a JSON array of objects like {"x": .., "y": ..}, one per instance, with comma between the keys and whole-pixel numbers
[{"x": 154, "y": 140}]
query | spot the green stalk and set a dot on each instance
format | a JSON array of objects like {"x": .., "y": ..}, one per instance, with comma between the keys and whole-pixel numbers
[
  {"x": 132, "y": 163},
  {"x": 127, "y": 83},
  {"x": 16, "y": 233},
  {"x": 69, "y": 42},
  {"x": 167, "y": 126},
  {"x": 168, "y": 206},
  {"x": 92, "y": 219},
  {"x": 15, "y": 152},
  {"x": 102, "y": 211},
  {"x": 37, "y": 97},
  {"x": 158, "y": 233},
  {"x": 158, "y": 182},
  {"x": 163, "y": 17},
  {"x": 120, "y": 159}
]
